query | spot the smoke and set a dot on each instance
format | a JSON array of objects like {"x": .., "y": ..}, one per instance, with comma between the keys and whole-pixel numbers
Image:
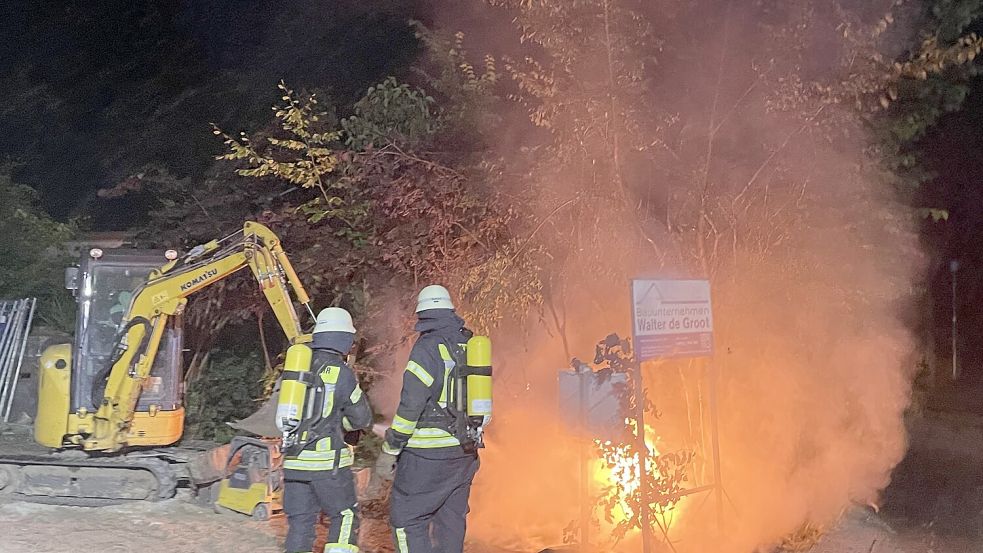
[{"x": 732, "y": 165}]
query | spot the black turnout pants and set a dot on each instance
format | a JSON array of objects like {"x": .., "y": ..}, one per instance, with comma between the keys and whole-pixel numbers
[
  {"x": 429, "y": 502},
  {"x": 306, "y": 495}
]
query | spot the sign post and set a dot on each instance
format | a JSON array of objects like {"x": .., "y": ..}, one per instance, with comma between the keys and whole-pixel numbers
[
  {"x": 644, "y": 483},
  {"x": 670, "y": 319},
  {"x": 585, "y": 503}
]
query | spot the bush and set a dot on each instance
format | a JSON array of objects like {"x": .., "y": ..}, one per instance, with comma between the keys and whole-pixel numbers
[{"x": 229, "y": 388}]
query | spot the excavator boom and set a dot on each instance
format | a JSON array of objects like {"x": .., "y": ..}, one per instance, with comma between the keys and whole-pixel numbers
[{"x": 165, "y": 295}]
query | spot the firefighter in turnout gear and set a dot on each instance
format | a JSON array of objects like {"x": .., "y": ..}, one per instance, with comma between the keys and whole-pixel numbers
[
  {"x": 429, "y": 452},
  {"x": 317, "y": 459}
]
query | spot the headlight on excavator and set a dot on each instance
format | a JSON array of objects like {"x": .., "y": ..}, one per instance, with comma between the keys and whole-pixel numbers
[
  {"x": 95, "y": 253},
  {"x": 171, "y": 255}
]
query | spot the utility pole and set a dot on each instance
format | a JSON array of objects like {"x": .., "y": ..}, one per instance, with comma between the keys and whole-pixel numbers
[{"x": 953, "y": 268}]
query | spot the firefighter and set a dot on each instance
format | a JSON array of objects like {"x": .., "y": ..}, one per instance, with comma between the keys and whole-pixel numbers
[
  {"x": 316, "y": 469},
  {"x": 427, "y": 453}
]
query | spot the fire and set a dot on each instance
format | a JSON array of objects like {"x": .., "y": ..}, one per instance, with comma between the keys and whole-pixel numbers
[{"x": 616, "y": 473}]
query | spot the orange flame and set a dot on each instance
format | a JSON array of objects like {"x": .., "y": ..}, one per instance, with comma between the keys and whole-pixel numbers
[{"x": 618, "y": 475}]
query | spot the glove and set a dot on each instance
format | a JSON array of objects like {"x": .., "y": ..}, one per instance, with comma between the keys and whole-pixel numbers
[{"x": 385, "y": 466}]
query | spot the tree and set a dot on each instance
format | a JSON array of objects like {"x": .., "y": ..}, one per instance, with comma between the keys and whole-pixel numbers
[
  {"x": 393, "y": 204},
  {"x": 924, "y": 140},
  {"x": 32, "y": 247},
  {"x": 213, "y": 401},
  {"x": 369, "y": 206}
]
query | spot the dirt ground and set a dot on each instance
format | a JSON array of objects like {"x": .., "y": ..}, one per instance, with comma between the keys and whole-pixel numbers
[
  {"x": 177, "y": 526},
  {"x": 173, "y": 526},
  {"x": 170, "y": 527}
]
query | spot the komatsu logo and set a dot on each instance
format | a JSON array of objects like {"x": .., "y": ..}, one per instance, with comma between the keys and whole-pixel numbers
[{"x": 199, "y": 279}]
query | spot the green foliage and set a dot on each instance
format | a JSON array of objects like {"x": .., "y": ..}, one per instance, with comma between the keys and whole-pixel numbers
[
  {"x": 918, "y": 91},
  {"x": 390, "y": 113},
  {"x": 304, "y": 157},
  {"x": 411, "y": 213},
  {"x": 951, "y": 18},
  {"x": 227, "y": 389},
  {"x": 468, "y": 100},
  {"x": 507, "y": 282},
  {"x": 366, "y": 207},
  {"x": 32, "y": 250},
  {"x": 134, "y": 82},
  {"x": 935, "y": 215}
]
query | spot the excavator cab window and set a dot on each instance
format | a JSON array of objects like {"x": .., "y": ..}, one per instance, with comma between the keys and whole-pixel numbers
[
  {"x": 112, "y": 290},
  {"x": 107, "y": 289}
]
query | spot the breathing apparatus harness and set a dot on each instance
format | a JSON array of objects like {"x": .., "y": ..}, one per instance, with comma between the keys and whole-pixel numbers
[
  {"x": 306, "y": 431},
  {"x": 468, "y": 398},
  {"x": 301, "y": 408}
]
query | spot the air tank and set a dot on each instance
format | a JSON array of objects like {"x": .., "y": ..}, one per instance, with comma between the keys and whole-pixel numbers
[
  {"x": 479, "y": 379},
  {"x": 293, "y": 390}
]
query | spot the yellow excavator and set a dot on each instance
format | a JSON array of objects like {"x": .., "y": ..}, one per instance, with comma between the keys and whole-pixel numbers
[{"x": 110, "y": 405}]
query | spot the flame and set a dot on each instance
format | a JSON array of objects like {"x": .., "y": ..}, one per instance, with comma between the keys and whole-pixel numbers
[{"x": 616, "y": 472}]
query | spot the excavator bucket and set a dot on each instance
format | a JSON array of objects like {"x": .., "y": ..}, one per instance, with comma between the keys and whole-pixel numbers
[{"x": 262, "y": 423}]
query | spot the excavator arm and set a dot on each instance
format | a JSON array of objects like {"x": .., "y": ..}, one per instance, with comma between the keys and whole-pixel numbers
[{"x": 165, "y": 294}]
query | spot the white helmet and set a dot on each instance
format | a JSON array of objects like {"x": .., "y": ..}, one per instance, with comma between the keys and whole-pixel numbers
[
  {"x": 434, "y": 296},
  {"x": 334, "y": 319}
]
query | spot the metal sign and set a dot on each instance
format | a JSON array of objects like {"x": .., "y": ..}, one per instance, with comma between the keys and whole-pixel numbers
[
  {"x": 595, "y": 400},
  {"x": 671, "y": 318}
]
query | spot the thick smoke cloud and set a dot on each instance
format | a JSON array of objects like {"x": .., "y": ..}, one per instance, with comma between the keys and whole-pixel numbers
[{"x": 812, "y": 261}]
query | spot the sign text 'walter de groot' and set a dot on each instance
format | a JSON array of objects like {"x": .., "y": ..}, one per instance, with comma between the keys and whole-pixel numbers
[{"x": 671, "y": 318}]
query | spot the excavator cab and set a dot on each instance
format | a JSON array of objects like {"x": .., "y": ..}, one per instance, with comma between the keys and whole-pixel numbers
[{"x": 73, "y": 376}]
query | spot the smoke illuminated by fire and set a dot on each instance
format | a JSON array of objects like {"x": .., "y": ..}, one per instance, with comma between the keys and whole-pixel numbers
[{"x": 811, "y": 259}]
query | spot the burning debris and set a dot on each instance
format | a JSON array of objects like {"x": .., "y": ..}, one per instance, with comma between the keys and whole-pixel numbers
[{"x": 616, "y": 471}]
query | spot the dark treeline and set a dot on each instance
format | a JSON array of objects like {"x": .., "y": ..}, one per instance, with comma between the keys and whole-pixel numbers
[{"x": 93, "y": 91}]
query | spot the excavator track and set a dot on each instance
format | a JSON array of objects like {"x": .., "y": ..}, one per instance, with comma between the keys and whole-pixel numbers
[{"x": 86, "y": 481}]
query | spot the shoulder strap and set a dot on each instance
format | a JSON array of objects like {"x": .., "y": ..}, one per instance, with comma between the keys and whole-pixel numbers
[
  {"x": 458, "y": 355},
  {"x": 309, "y": 423}
]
